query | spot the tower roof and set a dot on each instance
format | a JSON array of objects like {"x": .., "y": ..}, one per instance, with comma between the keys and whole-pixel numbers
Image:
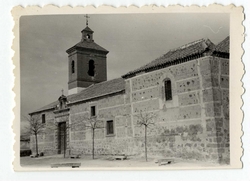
[
  {"x": 87, "y": 45},
  {"x": 87, "y": 29}
]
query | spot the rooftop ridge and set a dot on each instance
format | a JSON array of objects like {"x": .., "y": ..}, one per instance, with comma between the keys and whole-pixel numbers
[
  {"x": 192, "y": 49},
  {"x": 187, "y": 45}
]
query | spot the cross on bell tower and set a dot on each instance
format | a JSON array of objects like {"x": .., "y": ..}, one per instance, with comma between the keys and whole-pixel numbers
[{"x": 87, "y": 22}]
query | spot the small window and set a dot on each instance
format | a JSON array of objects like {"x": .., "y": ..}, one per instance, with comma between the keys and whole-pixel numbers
[
  {"x": 73, "y": 66},
  {"x": 88, "y": 36},
  {"x": 110, "y": 127},
  {"x": 91, "y": 70},
  {"x": 43, "y": 119},
  {"x": 168, "y": 90},
  {"x": 93, "y": 112}
]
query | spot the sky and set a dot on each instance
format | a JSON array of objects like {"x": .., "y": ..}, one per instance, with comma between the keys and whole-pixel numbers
[{"x": 132, "y": 40}]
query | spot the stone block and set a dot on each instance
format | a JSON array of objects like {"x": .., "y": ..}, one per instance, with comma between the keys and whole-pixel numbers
[
  {"x": 210, "y": 80},
  {"x": 129, "y": 131},
  {"x": 145, "y": 81},
  {"x": 190, "y": 112},
  {"x": 205, "y": 65},
  {"x": 121, "y": 132},
  {"x": 111, "y": 113},
  {"x": 211, "y": 94},
  {"x": 189, "y": 98},
  {"x": 183, "y": 71},
  {"x": 213, "y": 109},
  {"x": 77, "y": 108},
  {"x": 49, "y": 138},
  {"x": 170, "y": 114},
  {"x": 224, "y": 66},
  {"x": 214, "y": 63},
  {"x": 145, "y": 94},
  {"x": 210, "y": 124},
  {"x": 111, "y": 101},
  {"x": 99, "y": 133},
  {"x": 224, "y": 81},
  {"x": 188, "y": 85},
  {"x": 149, "y": 105},
  {"x": 128, "y": 120},
  {"x": 120, "y": 121}
]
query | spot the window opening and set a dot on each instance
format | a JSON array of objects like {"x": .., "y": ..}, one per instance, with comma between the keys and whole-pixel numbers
[
  {"x": 91, "y": 70},
  {"x": 43, "y": 119},
  {"x": 93, "y": 111},
  {"x": 168, "y": 90},
  {"x": 110, "y": 127},
  {"x": 73, "y": 67}
]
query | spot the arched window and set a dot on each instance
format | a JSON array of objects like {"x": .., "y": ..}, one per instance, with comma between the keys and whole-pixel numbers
[
  {"x": 91, "y": 70},
  {"x": 73, "y": 66},
  {"x": 168, "y": 89}
]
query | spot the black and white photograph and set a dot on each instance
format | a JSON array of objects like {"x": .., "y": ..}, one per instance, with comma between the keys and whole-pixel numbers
[{"x": 132, "y": 90}]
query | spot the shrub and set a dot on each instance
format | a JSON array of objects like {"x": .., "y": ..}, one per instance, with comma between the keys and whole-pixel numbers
[{"x": 25, "y": 152}]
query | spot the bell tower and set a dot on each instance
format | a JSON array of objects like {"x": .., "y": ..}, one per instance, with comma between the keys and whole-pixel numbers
[{"x": 87, "y": 62}]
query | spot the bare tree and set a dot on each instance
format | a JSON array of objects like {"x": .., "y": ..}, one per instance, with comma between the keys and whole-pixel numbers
[
  {"x": 145, "y": 120},
  {"x": 93, "y": 123},
  {"x": 35, "y": 128}
]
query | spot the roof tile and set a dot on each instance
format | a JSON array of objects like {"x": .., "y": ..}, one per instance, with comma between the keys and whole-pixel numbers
[{"x": 223, "y": 46}]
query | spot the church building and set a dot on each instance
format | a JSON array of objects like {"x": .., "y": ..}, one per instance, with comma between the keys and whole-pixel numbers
[{"x": 186, "y": 89}]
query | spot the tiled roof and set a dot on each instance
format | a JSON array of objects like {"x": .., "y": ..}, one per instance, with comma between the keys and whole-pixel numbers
[
  {"x": 93, "y": 91},
  {"x": 223, "y": 46},
  {"x": 186, "y": 51},
  {"x": 100, "y": 89},
  {"x": 87, "y": 45},
  {"x": 47, "y": 107}
]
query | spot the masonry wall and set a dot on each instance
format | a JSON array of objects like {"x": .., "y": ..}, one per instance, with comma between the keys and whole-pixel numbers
[
  {"x": 216, "y": 99},
  {"x": 109, "y": 108},
  {"x": 46, "y": 139},
  {"x": 194, "y": 124}
]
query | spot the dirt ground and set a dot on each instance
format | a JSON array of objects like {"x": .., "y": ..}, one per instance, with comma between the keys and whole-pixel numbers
[{"x": 88, "y": 162}]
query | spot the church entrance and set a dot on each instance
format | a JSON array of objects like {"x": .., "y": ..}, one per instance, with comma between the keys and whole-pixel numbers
[{"x": 62, "y": 136}]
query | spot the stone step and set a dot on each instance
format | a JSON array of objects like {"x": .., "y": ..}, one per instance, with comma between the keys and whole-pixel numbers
[
  {"x": 164, "y": 161},
  {"x": 75, "y": 156},
  {"x": 120, "y": 157},
  {"x": 72, "y": 165}
]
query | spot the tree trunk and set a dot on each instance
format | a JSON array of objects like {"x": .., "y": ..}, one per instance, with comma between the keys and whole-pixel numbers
[
  {"x": 146, "y": 156},
  {"x": 36, "y": 145},
  {"x": 93, "y": 143},
  {"x": 64, "y": 142}
]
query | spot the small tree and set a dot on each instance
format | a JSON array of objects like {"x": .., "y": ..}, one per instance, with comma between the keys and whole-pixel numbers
[
  {"x": 93, "y": 123},
  {"x": 35, "y": 127},
  {"x": 145, "y": 120}
]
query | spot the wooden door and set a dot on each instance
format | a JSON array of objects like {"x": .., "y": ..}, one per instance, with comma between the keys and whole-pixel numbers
[{"x": 62, "y": 136}]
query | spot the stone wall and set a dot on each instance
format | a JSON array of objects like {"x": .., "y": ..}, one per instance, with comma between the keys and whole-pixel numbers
[
  {"x": 194, "y": 124},
  {"x": 46, "y": 139},
  {"x": 109, "y": 108},
  {"x": 178, "y": 128},
  {"x": 217, "y": 110}
]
